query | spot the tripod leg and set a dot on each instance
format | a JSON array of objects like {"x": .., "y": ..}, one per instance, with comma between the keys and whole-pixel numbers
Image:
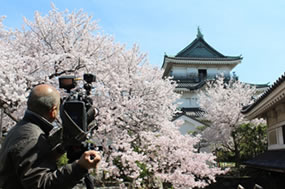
[{"x": 88, "y": 182}]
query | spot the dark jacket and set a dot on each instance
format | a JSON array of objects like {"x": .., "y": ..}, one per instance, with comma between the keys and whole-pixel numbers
[{"x": 27, "y": 160}]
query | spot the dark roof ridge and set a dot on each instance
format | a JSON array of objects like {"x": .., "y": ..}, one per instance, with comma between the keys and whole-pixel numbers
[
  {"x": 257, "y": 84},
  {"x": 265, "y": 94},
  {"x": 205, "y": 58},
  {"x": 201, "y": 39},
  {"x": 207, "y": 45}
]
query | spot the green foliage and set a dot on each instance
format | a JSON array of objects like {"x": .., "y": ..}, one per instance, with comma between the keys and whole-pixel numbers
[
  {"x": 144, "y": 171},
  {"x": 251, "y": 141},
  {"x": 63, "y": 160}
]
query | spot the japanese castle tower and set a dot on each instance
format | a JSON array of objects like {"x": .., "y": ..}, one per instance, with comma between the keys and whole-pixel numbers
[{"x": 191, "y": 68}]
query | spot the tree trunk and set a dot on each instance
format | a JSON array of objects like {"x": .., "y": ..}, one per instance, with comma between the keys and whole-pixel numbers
[
  {"x": 1, "y": 122},
  {"x": 236, "y": 151},
  {"x": 9, "y": 115}
]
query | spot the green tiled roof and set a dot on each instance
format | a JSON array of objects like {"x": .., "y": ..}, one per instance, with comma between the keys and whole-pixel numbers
[
  {"x": 199, "y": 52},
  {"x": 199, "y": 48}
]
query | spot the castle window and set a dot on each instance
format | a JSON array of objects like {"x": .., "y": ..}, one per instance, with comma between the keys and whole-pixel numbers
[{"x": 202, "y": 73}]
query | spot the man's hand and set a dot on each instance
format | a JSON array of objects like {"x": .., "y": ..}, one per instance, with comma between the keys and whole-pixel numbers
[{"x": 89, "y": 159}]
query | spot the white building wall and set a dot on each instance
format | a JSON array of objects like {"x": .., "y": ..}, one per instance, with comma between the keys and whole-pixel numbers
[
  {"x": 192, "y": 70},
  {"x": 178, "y": 71},
  {"x": 276, "y": 132},
  {"x": 189, "y": 100}
]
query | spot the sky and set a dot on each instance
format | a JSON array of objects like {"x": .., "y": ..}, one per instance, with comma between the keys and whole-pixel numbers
[{"x": 254, "y": 29}]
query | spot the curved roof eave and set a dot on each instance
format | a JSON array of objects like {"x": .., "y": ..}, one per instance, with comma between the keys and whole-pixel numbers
[{"x": 275, "y": 85}]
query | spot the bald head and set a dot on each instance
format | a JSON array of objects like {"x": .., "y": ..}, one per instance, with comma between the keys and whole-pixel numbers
[{"x": 42, "y": 99}]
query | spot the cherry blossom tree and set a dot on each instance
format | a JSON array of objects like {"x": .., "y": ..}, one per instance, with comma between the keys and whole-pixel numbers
[
  {"x": 222, "y": 102},
  {"x": 140, "y": 143},
  {"x": 12, "y": 80},
  {"x": 143, "y": 137}
]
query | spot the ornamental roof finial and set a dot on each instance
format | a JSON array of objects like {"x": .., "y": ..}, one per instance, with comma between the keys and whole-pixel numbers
[{"x": 199, "y": 34}]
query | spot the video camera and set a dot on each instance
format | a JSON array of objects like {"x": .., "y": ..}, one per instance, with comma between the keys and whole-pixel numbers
[
  {"x": 77, "y": 114},
  {"x": 78, "y": 119}
]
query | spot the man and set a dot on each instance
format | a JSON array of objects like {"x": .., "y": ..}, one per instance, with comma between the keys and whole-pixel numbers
[{"x": 26, "y": 157}]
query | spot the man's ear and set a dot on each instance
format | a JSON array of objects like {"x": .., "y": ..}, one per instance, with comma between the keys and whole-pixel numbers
[{"x": 53, "y": 112}]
